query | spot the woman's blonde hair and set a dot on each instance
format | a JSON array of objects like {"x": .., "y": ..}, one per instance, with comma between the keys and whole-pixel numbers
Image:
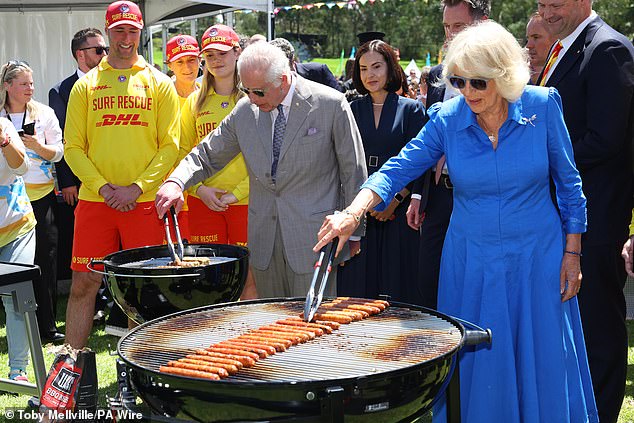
[
  {"x": 9, "y": 72},
  {"x": 489, "y": 51},
  {"x": 208, "y": 81}
]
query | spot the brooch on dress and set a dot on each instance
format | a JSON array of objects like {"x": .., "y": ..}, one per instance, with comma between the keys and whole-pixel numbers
[
  {"x": 224, "y": 104},
  {"x": 529, "y": 120}
]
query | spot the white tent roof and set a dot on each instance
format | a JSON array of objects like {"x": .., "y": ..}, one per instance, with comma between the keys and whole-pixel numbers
[{"x": 39, "y": 31}]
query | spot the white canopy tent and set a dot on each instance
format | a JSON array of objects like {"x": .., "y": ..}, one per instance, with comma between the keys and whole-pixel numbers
[{"x": 39, "y": 31}]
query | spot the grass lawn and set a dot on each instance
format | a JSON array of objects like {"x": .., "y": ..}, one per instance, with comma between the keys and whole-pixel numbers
[{"x": 104, "y": 345}]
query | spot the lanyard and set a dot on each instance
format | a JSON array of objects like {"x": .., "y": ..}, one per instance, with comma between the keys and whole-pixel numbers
[{"x": 23, "y": 118}]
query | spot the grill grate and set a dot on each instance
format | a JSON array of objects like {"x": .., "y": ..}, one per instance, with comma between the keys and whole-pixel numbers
[{"x": 394, "y": 339}]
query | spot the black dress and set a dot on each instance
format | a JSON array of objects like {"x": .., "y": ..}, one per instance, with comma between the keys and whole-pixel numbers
[{"x": 389, "y": 251}]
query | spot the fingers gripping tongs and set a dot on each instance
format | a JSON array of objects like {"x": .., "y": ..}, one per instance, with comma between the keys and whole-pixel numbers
[
  {"x": 175, "y": 254},
  {"x": 313, "y": 302}
]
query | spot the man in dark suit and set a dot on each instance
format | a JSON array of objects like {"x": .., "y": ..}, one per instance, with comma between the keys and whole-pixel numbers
[
  {"x": 88, "y": 47},
  {"x": 317, "y": 72},
  {"x": 594, "y": 74},
  {"x": 432, "y": 194}
]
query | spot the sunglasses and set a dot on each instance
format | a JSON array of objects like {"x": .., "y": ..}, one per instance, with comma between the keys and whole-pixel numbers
[
  {"x": 13, "y": 64},
  {"x": 459, "y": 82},
  {"x": 247, "y": 91},
  {"x": 98, "y": 49}
]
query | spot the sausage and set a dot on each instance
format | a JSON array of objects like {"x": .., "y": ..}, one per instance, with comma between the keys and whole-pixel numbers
[
  {"x": 279, "y": 346},
  {"x": 358, "y": 314},
  {"x": 295, "y": 321},
  {"x": 368, "y": 308},
  {"x": 305, "y": 335},
  {"x": 245, "y": 360},
  {"x": 230, "y": 368},
  {"x": 216, "y": 360},
  {"x": 363, "y": 300},
  {"x": 331, "y": 317},
  {"x": 249, "y": 346},
  {"x": 208, "y": 369},
  {"x": 278, "y": 335},
  {"x": 229, "y": 350},
  {"x": 187, "y": 372}
]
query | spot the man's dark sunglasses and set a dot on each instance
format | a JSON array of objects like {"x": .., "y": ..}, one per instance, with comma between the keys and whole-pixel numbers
[
  {"x": 98, "y": 49},
  {"x": 247, "y": 91},
  {"x": 459, "y": 82}
]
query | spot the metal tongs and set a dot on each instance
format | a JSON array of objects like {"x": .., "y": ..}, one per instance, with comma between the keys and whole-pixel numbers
[
  {"x": 312, "y": 302},
  {"x": 175, "y": 254}
]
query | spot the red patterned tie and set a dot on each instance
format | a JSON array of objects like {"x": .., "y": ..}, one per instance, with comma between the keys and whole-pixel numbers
[{"x": 551, "y": 61}]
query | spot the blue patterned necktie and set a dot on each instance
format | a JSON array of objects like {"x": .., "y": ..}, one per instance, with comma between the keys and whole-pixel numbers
[{"x": 278, "y": 136}]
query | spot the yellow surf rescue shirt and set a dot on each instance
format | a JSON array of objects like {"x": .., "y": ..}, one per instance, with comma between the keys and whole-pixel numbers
[
  {"x": 234, "y": 177},
  {"x": 122, "y": 127}
]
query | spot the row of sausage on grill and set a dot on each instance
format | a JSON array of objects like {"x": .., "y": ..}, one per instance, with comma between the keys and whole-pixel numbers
[{"x": 226, "y": 358}]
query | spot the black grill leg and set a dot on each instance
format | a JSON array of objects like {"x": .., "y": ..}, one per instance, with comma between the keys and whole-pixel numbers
[
  {"x": 332, "y": 405},
  {"x": 453, "y": 395}
]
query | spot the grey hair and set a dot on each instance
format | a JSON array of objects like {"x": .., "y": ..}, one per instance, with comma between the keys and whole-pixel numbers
[
  {"x": 267, "y": 59},
  {"x": 487, "y": 50},
  {"x": 286, "y": 47}
]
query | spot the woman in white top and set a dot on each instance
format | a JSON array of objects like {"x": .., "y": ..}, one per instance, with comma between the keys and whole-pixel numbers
[
  {"x": 17, "y": 236},
  {"x": 42, "y": 138}
]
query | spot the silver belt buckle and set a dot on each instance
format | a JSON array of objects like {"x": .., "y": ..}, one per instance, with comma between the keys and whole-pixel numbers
[
  {"x": 446, "y": 181},
  {"x": 373, "y": 161}
]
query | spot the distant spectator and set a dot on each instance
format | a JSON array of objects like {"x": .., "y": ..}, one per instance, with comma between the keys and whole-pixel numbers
[
  {"x": 422, "y": 85},
  {"x": 317, "y": 72},
  {"x": 42, "y": 138},
  {"x": 256, "y": 38},
  {"x": 538, "y": 43}
]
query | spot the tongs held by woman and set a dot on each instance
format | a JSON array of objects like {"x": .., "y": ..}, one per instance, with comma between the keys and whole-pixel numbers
[
  {"x": 175, "y": 254},
  {"x": 313, "y": 302}
]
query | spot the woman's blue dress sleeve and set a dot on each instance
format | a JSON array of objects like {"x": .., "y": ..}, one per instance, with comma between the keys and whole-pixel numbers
[{"x": 561, "y": 162}]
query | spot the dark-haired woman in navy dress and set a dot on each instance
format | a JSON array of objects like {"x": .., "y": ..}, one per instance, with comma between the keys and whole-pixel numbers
[{"x": 386, "y": 121}]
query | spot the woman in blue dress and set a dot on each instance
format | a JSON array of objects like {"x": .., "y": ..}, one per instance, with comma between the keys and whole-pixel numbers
[
  {"x": 510, "y": 260},
  {"x": 386, "y": 122}
]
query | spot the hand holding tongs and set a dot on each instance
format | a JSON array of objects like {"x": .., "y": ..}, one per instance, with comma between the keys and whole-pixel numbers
[
  {"x": 177, "y": 256},
  {"x": 312, "y": 302}
]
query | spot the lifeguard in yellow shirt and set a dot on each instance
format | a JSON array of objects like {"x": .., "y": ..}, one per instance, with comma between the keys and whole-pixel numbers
[
  {"x": 122, "y": 130},
  {"x": 218, "y": 208},
  {"x": 183, "y": 59}
]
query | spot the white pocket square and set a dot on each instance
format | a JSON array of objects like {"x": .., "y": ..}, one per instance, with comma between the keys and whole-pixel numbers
[{"x": 311, "y": 131}]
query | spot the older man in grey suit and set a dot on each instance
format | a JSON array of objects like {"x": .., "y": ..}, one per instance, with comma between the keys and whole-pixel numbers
[{"x": 305, "y": 159}]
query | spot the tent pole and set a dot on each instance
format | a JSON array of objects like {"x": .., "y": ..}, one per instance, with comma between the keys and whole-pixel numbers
[{"x": 271, "y": 20}]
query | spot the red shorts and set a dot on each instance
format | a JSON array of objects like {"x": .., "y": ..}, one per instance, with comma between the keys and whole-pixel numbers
[
  {"x": 211, "y": 227},
  {"x": 101, "y": 230}
]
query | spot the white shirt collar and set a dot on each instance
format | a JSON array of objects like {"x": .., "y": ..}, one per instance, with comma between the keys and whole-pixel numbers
[
  {"x": 80, "y": 73},
  {"x": 288, "y": 100},
  {"x": 567, "y": 42}
]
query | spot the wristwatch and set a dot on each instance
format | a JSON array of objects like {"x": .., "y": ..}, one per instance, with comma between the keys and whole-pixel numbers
[{"x": 398, "y": 197}]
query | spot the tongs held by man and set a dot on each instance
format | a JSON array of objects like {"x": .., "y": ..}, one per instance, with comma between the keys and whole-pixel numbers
[
  {"x": 175, "y": 254},
  {"x": 314, "y": 301}
]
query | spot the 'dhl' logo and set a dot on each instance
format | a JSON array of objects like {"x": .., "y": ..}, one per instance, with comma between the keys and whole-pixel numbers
[
  {"x": 121, "y": 119},
  {"x": 64, "y": 380}
]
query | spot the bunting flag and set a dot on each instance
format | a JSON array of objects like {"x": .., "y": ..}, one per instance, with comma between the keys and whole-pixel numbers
[
  {"x": 428, "y": 60},
  {"x": 439, "y": 56},
  {"x": 353, "y": 52},
  {"x": 350, "y": 4}
]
